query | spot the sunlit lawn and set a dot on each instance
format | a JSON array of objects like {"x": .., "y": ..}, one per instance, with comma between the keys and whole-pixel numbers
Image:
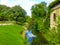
[{"x": 10, "y": 35}]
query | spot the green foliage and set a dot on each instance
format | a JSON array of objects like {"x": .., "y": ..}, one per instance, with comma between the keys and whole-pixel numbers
[
  {"x": 40, "y": 39},
  {"x": 41, "y": 23},
  {"x": 11, "y": 35},
  {"x": 52, "y": 37},
  {"x": 28, "y": 19},
  {"x": 4, "y": 12},
  {"x": 54, "y": 3},
  {"x": 39, "y": 10},
  {"x": 16, "y": 13},
  {"x": 43, "y": 19}
]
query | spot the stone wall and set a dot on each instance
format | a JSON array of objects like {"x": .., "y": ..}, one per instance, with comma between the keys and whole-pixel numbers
[{"x": 56, "y": 11}]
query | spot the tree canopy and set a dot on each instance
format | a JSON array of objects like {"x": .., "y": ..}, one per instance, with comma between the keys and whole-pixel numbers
[
  {"x": 40, "y": 22},
  {"x": 39, "y": 10},
  {"x": 16, "y": 13},
  {"x": 4, "y": 12}
]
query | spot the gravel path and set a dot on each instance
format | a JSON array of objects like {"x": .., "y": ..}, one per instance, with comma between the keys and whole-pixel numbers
[{"x": 6, "y": 24}]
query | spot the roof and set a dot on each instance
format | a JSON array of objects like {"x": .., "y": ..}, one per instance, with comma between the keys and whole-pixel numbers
[
  {"x": 56, "y": 7},
  {"x": 54, "y": 3}
]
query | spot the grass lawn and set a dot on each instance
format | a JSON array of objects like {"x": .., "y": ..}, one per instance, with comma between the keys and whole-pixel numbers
[{"x": 10, "y": 35}]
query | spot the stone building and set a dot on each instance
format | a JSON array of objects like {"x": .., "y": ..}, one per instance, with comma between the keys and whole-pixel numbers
[{"x": 55, "y": 16}]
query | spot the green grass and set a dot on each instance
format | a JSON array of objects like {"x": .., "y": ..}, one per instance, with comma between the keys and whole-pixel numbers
[{"x": 10, "y": 35}]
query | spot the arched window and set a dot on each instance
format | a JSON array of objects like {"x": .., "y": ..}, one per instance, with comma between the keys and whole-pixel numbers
[{"x": 54, "y": 16}]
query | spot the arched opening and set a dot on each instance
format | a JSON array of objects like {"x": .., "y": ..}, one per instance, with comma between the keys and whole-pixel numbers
[{"x": 54, "y": 16}]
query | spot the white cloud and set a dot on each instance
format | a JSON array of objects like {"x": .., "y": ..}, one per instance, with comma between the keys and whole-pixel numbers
[
  {"x": 49, "y": 1},
  {"x": 9, "y": 3},
  {"x": 5, "y": 2},
  {"x": 27, "y": 4}
]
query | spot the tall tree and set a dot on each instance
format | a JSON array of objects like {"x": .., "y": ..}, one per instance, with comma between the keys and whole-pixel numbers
[{"x": 39, "y": 15}]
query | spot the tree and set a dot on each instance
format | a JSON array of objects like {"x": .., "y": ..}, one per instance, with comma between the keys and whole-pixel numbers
[
  {"x": 18, "y": 14},
  {"x": 39, "y": 10},
  {"x": 4, "y": 12},
  {"x": 40, "y": 17}
]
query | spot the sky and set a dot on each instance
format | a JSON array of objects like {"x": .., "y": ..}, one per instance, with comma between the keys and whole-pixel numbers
[{"x": 25, "y": 4}]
